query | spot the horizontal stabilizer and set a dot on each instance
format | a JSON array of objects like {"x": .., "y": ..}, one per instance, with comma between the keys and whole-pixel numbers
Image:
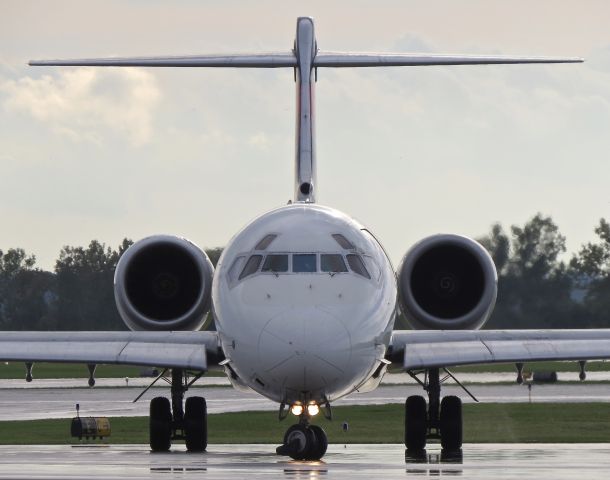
[
  {"x": 262, "y": 60},
  {"x": 338, "y": 59},
  {"x": 322, "y": 59}
]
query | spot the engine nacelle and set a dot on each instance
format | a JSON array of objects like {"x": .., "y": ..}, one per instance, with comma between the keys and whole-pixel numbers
[
  {"x": 447, "y": 282},
  {"x": 163, "y": 283}
]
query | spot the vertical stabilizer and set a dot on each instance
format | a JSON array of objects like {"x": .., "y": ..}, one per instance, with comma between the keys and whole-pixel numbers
[{"x": 305, "y": 157}]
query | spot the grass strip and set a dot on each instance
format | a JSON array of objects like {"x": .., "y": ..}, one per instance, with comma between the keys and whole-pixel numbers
[
  {"x": 9, "y": 370},
  {"x": 484, "y": 423},
  {"x": 593, "y": 366},
  {"x": 13, "y": 370},
  {"x": 16, "y": 370}
]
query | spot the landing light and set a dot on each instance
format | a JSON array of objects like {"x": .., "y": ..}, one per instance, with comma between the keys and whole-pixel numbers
[
  {"x": 296, "y": 409},
  {"x": 313, "y": 409}
]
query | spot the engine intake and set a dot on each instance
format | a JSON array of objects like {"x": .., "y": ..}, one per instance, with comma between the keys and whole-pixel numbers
[
  {"x": 447, "y": 282},
  {"x": 163, "y": 283}
]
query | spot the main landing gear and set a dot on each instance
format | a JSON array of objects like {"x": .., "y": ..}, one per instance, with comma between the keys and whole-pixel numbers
[
  {"x": 173, "y": 422},
  {"x": 441, "y": 419}
]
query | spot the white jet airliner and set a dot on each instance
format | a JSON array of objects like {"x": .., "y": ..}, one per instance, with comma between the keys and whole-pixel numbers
[{"x": 304, "y": 298}]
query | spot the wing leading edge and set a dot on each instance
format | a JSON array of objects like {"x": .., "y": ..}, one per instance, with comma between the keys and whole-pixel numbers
[
  {"x": 188, "y": 350},
  {"x": 421, "y": 349}
]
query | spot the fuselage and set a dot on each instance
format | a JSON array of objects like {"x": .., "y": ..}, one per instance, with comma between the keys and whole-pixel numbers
[{"x": 304, "y": 301}]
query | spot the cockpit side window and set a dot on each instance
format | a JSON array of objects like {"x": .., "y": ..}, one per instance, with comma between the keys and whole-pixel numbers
[
  {"x": 251, "y": 266},
  {"x": 275, "y": 263},
  {"x": 357, "y": 266},
  {"x": 236, "y": 268},
  {"x": 304, "y": 263},
  {"x": 332, "y": 263},
  {"x": 372, "y": 267}
]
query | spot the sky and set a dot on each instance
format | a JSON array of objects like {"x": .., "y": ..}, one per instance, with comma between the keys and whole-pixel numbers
[{"x": 108, "y": 153}]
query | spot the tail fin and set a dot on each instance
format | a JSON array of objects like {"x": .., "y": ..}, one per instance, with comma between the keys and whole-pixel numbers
[{"x": 305, "y": 59}]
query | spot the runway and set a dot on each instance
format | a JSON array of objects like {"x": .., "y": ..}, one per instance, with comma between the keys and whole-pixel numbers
[
  {"x": 388, "y": 379},
  {"x": 30, "y": 404},
  {"x": 497, "y": 461}
]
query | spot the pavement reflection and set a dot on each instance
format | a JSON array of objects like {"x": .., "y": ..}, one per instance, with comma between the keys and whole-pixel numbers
[{"x": 476, "y": 461}]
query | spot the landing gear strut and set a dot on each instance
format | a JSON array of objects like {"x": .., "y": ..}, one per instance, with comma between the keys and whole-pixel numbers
[
  {"x": 303, "y": 441},
  {"x": 173, "y": 422},
  {"x": 443, "y": 419}
]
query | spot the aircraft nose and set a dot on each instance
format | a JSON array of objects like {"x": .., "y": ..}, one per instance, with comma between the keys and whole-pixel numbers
[{"x": 304, "y": 349}]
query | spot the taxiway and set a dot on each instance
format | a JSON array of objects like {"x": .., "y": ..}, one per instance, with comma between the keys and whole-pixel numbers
[
  {"x": 31, "y": 404},
  {"x": 497, "y": 461}
]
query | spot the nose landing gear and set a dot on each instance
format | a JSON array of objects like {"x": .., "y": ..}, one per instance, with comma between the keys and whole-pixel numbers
[
  {"x": 304, "y": 442},
  {"x": 441, "y": 419}
]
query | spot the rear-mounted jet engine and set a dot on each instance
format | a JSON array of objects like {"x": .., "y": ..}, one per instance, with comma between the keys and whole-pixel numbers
[{"x": 163, "y": 283}]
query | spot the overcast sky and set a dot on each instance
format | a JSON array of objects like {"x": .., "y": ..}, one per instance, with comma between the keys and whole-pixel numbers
[{"x": 104, "y": 154}]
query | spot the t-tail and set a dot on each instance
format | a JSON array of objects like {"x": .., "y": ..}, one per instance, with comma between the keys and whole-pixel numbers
[{"x": 305, "y": 58}]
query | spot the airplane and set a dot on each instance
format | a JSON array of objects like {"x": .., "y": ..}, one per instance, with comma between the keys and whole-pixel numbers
[{"x": 304, "y": 298}]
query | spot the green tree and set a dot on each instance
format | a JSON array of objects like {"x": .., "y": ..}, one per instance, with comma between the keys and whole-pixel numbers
[
  {"x": 31, "y": 301},
  {"x": 591, "y": 267},
  {"x": 214, "y": 254},
  {"x": 497, "y": 244},
  {"x": 593, "y": 259},
  {"x": 85, "y": 287},
  {"x": 534, "y": 286},
  {"x": 27, "y": 295}
]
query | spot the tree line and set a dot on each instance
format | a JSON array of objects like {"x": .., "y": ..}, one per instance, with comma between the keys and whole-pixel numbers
[{"x": 536, "y": 287}]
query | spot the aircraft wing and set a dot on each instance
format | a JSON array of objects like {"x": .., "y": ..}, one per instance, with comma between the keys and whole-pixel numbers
[
  {"x": 421, "y": 349},
  {"x": 188, "y": 350}
]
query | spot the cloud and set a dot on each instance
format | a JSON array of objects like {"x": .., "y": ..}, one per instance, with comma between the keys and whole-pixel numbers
[
  {"x": 412, "y": 43},
  {"x": 599, "y": 59},
  {"x": 260, "y": 140},
  {"x": 87, "y": 104}
]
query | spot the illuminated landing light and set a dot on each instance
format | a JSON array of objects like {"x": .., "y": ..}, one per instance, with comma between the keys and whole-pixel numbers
[
  {"x": 313, "y": 409},
  {"x": 297, "y": 409}
]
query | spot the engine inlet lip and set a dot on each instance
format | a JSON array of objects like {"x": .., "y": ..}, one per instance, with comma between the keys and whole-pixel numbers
[
  {"x": 134, "y": 318},
  {"x": 480, "y": 310}
]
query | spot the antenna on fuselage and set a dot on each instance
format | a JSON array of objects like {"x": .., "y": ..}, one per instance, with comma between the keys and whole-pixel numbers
[{"x": 305, "y": 59}]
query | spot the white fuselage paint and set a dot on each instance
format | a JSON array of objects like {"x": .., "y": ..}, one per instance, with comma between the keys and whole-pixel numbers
[{"x": 304, "y": 336}]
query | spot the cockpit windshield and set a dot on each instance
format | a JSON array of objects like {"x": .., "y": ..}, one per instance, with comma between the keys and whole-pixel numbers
[
  {"x": 287, "y": 263},
  {"x": 251, "y": 266},
  {"x": 357, "y": 265},
  {"x": 304, "y": 263},
  {"x": 332, "y": 263},
  {"x": 275, "y": 263}
]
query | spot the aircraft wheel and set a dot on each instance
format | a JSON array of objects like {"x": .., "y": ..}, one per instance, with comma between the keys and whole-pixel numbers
[
  {"x": 320, "y": 445},
  {"x": 415, "y": 423},
  {"x": 196, "y": 424},
  {"x": 451, "y": 423},
  {"x": 160, "y": 424},
  {"x": 299, "y": 442}
]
